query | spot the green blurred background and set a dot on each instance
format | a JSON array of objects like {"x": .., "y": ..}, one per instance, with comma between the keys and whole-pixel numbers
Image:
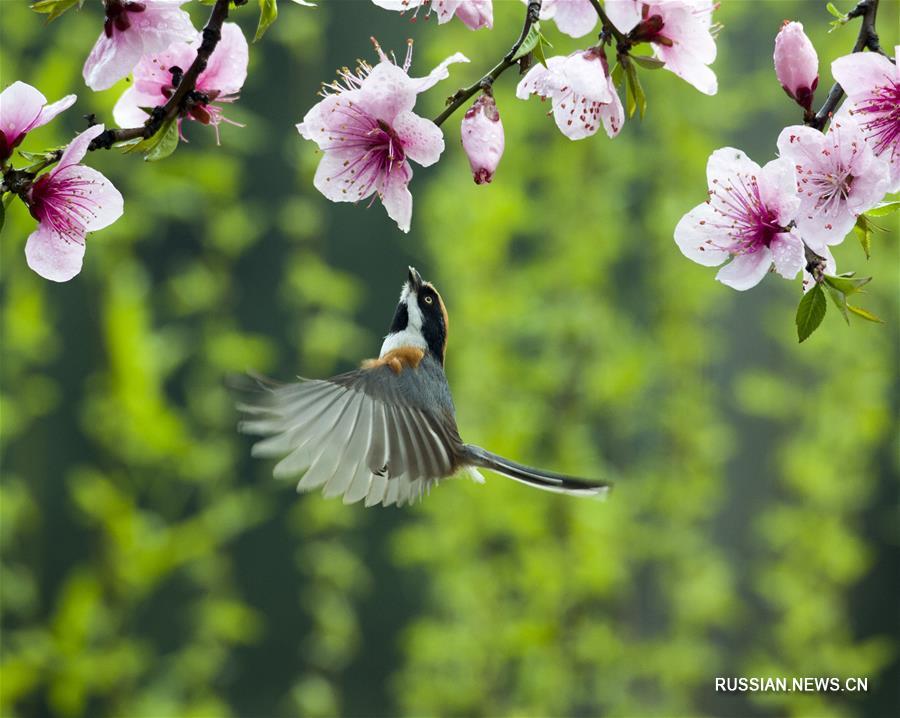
[{"x": 150, "y": 568}]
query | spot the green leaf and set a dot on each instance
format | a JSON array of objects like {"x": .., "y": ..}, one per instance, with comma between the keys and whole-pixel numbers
[
  {"x": 863, "y": 231},
  {"x": 530, "y": 42},
  {"x": 840, "y": 301},
  {"x": 635, "y": 99},
  {"x": 168, "y": 141},
  {"x": 647, "y": 62},
  {"x": 810, "y": 312},
  {"x": 539, "y": 51},
  {"x": 865, "y": 314},
  {"x": 617, "y": 75},
  {"x": 54, "y": 8},
  {"x": 157, "y": 147},
  {"x": 847, "y": 285},
  {"x": 268, "y": 13},
  {"x": 884, "y": 209},
  {"x": 834, "y": 11}
]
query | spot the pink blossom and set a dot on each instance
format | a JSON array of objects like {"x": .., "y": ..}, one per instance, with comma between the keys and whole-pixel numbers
[
  {"x": 680, "y": 32},
  {"x": 796, "y": 64},
  {"x": 22, "y": 109},
  {"x": 155, "y": 77},
  {"x": 581, "y": 92},
  {"x": 838, "y": 178},
  {"x": 368, "y": 132},
  {"x": 132, "y": 30},
  {"x": 575, "y": 18},
  {"x": 872, "y": 84},
  {"x": 68, "y": 202},
  {"x": 746, "y": 219},
  {"x": 482, "y": 138},
  {"x": 474, "y": 13}
]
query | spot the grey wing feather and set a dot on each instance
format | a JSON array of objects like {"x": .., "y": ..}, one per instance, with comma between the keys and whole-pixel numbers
[{"x": 369, "y": 435}]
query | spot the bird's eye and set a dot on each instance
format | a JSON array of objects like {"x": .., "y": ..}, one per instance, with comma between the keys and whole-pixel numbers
[{"x": 429, "y": 300}]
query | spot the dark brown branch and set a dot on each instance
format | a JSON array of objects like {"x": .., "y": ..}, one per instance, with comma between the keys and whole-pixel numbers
[
  {"x": 460, "y": 96},
  {"x": 161, "y": 116},
  {"x": 866, "y": 39}
]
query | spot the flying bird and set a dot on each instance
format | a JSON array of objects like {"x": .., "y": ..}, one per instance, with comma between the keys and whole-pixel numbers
[{"x": 385, "y": 433}]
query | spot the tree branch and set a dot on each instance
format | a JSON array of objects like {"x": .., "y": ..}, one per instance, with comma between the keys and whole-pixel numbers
[
  {"x": 815, "y": 263},
  {"x": 160, "y": 116},
  {"x": 457, "y": 99},
  {"x": 866, "y": 39}
]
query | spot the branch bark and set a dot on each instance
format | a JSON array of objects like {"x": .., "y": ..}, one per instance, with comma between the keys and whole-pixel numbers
[
  {"x": 866, "y": 39},
  {"x": 455, "y": 101}
]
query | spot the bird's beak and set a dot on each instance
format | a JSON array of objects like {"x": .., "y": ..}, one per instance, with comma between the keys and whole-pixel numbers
[{"x": 415, "y": 280}]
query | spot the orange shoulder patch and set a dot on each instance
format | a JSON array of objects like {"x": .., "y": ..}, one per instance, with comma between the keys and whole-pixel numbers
[{"x": 398, "y": 359}]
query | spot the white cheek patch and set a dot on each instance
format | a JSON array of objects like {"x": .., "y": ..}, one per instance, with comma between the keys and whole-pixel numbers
[
  {"x": 412, "y": 335},
  {"x": 412, "y": 309}
]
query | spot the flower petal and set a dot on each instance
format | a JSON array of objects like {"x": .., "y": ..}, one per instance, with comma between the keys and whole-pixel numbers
[
  {"x": 696, "y": 235},
  {"x": 319, "y": 123},
  {"x": 20, "y": 108},
  {"x": 476, "y": 14},
  {"x": 613, "y": 113},
  {"x": 575, "y": 18},
  {"x": 778, "y": 189},
  {"x": 540, "y": 80},
  {"x": 688, "y": 67},
  {"x": 746, "y": 270},
  {"x": 625, "y": 14},
  {"x": 422, "y": 140},
  {"x": 77, "y": 149},
  {"x": 386, "y": 92},
  {"x": 725, "y": 164},
  {"x": 91, "y": 196},
  {"x": 861, "y": 72},
  {"x": 396, "y": 197},
  {"x": 127, "y": 111},
  {"x": 52, "y": 110},
  {"x": 439, "y": 73},
  {"x": 227, "y": 68},
  {"x": 342, "y": 176},
  {"x": 788, "y": 254},
  {"x": 111, "y": 59},
  {"x": 53, "y": 257},
  {"x": 161, "y": 23}
]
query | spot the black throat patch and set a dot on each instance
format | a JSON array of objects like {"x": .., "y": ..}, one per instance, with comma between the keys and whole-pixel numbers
[{"x": 400, "y": 320}]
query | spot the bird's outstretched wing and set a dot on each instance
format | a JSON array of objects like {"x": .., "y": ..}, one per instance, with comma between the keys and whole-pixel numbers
[{"x": 371, "y": 434}]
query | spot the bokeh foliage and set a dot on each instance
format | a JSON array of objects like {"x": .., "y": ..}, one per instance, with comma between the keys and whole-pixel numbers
[{"x": 150, "y": 569}]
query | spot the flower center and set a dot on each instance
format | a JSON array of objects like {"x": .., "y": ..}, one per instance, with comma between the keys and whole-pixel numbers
[
  {"x": 832, "y": 188},
  {"x": 883, "y": 121},
  {"x": 747, "y": 222},
  {"x": 64, "y": 205},
  {"x": 117, "y": 15}
]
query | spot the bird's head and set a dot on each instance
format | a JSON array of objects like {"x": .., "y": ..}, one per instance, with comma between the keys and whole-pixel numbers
[{"x": 420, "y": 319}]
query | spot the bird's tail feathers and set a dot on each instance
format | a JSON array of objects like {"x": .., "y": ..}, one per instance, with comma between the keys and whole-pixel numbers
[{"x": 538, "y": 478}]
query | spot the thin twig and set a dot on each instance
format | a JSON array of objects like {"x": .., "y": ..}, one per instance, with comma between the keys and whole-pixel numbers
[
  {"x": 455, "y": 101},
  {"x": 815, "y": 263},
  {"x": 161, "y": 116},
  {"x": 608, "y": 26},
  {"x": 866, "y": 39}
]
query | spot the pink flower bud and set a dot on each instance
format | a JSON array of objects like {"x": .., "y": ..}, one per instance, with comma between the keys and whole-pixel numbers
[
  {"x": 476, "y": 13},
  {"x": 796, "y": 64},
  {"x": 482, "y": 138}
]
